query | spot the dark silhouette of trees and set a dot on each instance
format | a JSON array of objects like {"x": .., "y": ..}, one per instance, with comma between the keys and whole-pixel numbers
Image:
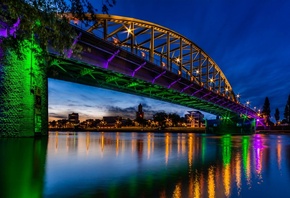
[
  {"x": 174, "y": 118},
  {"x": 164, "y": 119},
  {"x": 128, "y": 122},
  {"x": 277, "y": 115},
  {"x": 287, "y": 111},
  {"x": 160, "y": 117},
  {"x": 266, "y": 111}
]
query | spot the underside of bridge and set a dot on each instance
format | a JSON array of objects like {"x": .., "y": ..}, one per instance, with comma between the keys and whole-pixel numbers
[{"x": 193, "y": 97}]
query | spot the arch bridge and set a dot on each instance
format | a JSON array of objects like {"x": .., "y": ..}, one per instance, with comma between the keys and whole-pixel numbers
[{"x": 146, "y": 59}]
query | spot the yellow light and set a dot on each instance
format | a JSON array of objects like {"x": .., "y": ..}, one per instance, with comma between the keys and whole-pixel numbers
[
  {"x": 115, "y": 40},
  {"x": 143, "y": 54}
]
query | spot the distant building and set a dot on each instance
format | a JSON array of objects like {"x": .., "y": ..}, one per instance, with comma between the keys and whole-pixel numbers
[
  {"x": 195, "y": 119},
  {"x": 139, "y": 113},
  {"x": 111, "y": 121},
  {"x": 73, "y": 118}
]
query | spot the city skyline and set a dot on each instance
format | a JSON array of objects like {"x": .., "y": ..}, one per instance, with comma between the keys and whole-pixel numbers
[
  {"x": 96, "y": 106},
  {"x": 248, "y": 40}
]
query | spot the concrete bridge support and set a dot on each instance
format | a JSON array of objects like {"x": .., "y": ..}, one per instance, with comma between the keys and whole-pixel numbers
[{"x": 23, "y": 95}]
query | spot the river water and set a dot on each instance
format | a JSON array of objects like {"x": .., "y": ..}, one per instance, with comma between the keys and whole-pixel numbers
[{"x": 115, "y": 164}]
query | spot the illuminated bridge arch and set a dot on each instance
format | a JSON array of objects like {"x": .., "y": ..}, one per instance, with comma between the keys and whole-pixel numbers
[
  {"x": 146, "y": 59},
  {"x": 163, "y": 47}
]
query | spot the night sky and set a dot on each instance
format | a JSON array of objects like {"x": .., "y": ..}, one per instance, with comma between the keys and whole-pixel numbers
[{"x": 249, "y": 40}]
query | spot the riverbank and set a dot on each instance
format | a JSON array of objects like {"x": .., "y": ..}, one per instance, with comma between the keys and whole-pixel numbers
[
  {"x": 136, "y": 129},
  {"x": 166, "y": 130}
]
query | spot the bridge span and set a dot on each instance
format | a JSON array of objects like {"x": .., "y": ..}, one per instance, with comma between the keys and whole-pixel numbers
[
  {"x": 146, "y": 59},
  {"x": 123, "y": 54}
]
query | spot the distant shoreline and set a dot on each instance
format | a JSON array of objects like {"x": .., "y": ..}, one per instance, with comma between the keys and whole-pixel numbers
[
  {"x": 135, "y": 129},
  {"x": 166, "y": 130}
]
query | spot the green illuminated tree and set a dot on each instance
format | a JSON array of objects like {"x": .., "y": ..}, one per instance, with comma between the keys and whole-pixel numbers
[
  {"x": 277, "y": 115},
  {"x": 46, "y": 20},
  {"x": 266, "y": 111},
  {"x": 287, "y": 110}
]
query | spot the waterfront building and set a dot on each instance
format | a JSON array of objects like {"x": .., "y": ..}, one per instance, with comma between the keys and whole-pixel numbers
[
  {"x": 73, "y": 118},
  {"x": 140, "y": 113},
  {"x": 195, "y": 119}
]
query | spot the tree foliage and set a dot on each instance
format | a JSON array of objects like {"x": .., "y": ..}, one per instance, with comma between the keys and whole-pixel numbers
[
  {"x": 175, "y": 118},
  {"x": 266, "y": 110},
  {"x": 46, "y": 21},
  {"x": 160, "y": 117},
  {"x": 277, "y": 115},
  {"x": 287, "y": 110}
]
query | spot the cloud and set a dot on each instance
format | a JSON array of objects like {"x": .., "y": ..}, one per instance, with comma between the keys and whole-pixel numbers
[{"x": 55, "y": 116}]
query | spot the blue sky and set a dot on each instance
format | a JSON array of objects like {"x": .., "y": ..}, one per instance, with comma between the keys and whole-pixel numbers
[{"x": 249, "y": 40}]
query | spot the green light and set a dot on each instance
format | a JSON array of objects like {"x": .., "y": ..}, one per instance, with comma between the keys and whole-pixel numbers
[
  {"x": 245, "y": 150},
  {"x": 226, "y": 149},
  {"x": 26, "y": 181},
  {"x": 22, "y": 82},
  {"x": 38, "y": 23},
  {"x": 203, "y": 148}
]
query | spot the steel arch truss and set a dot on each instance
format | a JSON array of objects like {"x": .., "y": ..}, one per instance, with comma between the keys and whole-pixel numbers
[{"x": 165, "y": 48}]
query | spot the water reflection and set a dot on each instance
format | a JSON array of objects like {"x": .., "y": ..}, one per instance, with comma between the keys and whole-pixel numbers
[
  {"x": 99, "y": 164},
  {"x": 172, "y": 165},
  {"x": 22, "y": 167}
]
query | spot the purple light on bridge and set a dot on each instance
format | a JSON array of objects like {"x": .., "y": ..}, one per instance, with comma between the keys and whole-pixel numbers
[
  {"x": 205, "y": 95},
  {"x": 111, "y": 58},
  {"x": 173, "y": 83},
  {"x": 133, "y": 74},
  {"x": 212, "y": 98},
  {"x": 70, "y": 51},
  {"x": 196, "y": 92},
  {"x": 158, "y": 76},
  {"x": 186, "y": 87},
  {"x": 9, "y": 31}
]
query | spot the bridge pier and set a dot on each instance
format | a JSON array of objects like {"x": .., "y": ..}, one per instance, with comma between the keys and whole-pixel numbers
[
  {"x": 231, "y": 126},
  {"x": 23, "y": 95}
]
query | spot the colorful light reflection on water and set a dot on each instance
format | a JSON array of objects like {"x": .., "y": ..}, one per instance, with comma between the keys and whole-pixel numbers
[{"x": 99, "y": 164}]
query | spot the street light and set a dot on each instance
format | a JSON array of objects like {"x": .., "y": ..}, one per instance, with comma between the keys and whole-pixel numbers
[{"x": 238, "y": 97}]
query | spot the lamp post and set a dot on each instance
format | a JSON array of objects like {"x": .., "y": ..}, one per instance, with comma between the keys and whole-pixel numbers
[{"x": 238, "y": 97}]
